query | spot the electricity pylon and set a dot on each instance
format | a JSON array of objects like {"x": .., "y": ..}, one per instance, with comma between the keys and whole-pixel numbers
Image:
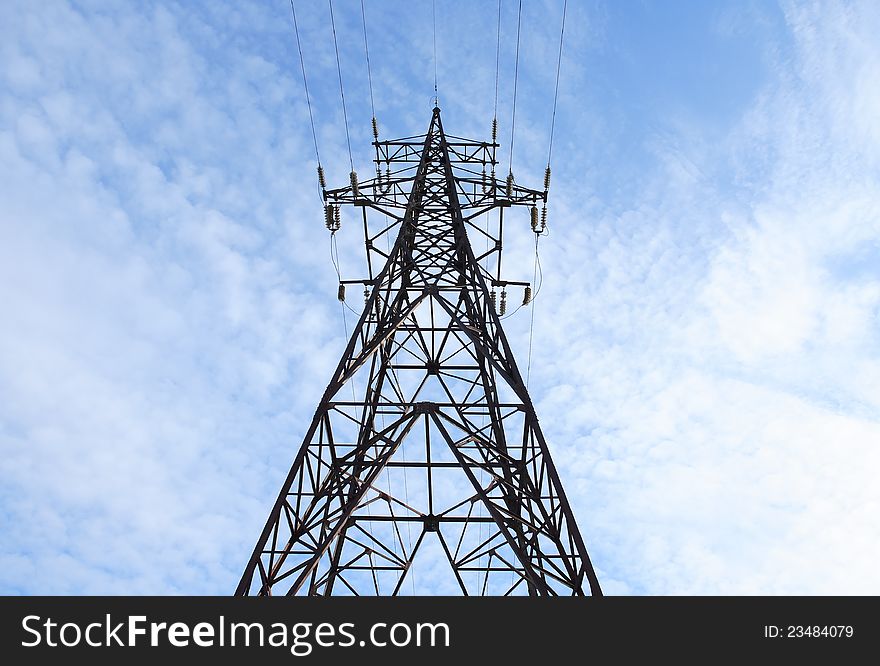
[{"x": 425, "y": 443}]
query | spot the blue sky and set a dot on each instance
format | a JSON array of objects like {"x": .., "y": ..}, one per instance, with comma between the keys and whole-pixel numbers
[{"x": 706, "y": 341}]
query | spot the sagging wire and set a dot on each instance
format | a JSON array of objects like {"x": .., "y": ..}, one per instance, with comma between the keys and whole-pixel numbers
[
  {"x": 556, "y": 90},
  {"x": 534, "y": 298},
  {"x": 497, "y": 60},
  {"x": 341, "y": 293},
  {"x": 302, "y": 65},
  {"x": 341, "y": 89},
  {"x": 543, "y": 223},
  {"x": 497, "y": 70},
  {"x": 334, "y": 257},
  {"x": 540, "y": 228},
  {"x": 539, "y": 276},
  {"x": 515, "y": 83},
  {"x": 434, "y": 40},
  {"x": 369, "y": 76}
]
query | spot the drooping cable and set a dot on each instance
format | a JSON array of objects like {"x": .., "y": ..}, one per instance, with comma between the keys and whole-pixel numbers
[
  {"x": 497, "y": 61},
  {"x": 556, "y": 91},
  {"x": 515, "y": 80},
  {"x": 341, "y": 89},
  {"x": 434, "y": 33},
  {"x": 532, "y": 320},
  {"x": 367, "y": 53},
  {"x": 334, "y": 257},
  {"x": 302, "y": 65}
]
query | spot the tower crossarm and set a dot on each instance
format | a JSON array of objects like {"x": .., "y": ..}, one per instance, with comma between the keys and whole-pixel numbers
[
  {"x": 409, "y": 149},
  {"x": 385, "y": 195},
  {"x": 473, "y": 163},
  {"x": 478, "y": 194}
]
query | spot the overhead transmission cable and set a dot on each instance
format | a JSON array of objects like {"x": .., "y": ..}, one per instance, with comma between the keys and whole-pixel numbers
[
  {"x": 494, "y": 113},
  {"x": 333, "y": 248},
  {"x": 541, "y": 229},
  {"x": 532, "y": 314},
  {"x": 494, "y": 140},
  {"x": 497, "y": 67},
  {"x": 369, "y": 72},
  {"x": 556, "y": 90},
  {"x": 434, "y": 40},
  {"x": 341, "y": 88},
  {"x": 321, "y": 180},
  {"x": 375, "y": 125},
  {"x": 513, "y": 113},
  {"x": 302, "y": 65}
]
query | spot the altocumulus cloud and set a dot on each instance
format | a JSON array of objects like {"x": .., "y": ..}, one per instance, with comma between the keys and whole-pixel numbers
[
  {"x": 706, "y": 345},
  {"x": 159, "y": 314},
  {"x": 722, "y": 386}
]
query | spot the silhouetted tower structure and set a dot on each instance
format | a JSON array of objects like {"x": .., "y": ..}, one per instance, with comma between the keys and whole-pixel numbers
[{"x": 425, "y": 446}]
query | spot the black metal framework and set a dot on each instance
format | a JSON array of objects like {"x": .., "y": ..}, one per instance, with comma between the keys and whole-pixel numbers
[{"x": 425, "y": 442}]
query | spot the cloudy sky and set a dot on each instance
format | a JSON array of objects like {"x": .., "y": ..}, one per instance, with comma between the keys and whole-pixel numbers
[{"x": 706, "y": 350}]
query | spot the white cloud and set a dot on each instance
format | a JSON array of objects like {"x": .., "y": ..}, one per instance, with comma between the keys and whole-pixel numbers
[
  {"x": 155, "y": 319},
  {"x": 720, "y": 408}
]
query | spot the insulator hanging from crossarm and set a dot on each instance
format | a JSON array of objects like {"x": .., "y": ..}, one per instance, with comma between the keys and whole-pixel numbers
[
  {"x": 492, "y": 298},
  {"x": 534, "y": 216},
  {"x": 366, "y": 295},
  {"x": 527, "y": 294},
  {"x": 503, "y": 309},
  {"x": 328, "y": 216},
  {"x": 341, "y": 293},
  {"x": 332, "y": 218},
  {"x": 543, "y": 218},
  {"x": 510, "y": 184},
  {"x": 354, "y": 184}
]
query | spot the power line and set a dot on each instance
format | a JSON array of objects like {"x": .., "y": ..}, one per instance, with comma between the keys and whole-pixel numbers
[
  {"x": 434, "y": 26},
  {"x": 515, "y": 80},
  {"x": 546, "y": 185},
  {"x": 367, "y": 52},
  {"x": 497, "y": 60},
  {"x": 556, "y": 91},
  {"x": 302, "y": 65},
  {"x": 532, "y": 318},
  {"x": 334, "y": 250},
  {"x": 341, "y": 89}
]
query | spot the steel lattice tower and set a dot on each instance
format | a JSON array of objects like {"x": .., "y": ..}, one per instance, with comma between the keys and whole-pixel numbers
[{"x": 425, "y": 440}]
